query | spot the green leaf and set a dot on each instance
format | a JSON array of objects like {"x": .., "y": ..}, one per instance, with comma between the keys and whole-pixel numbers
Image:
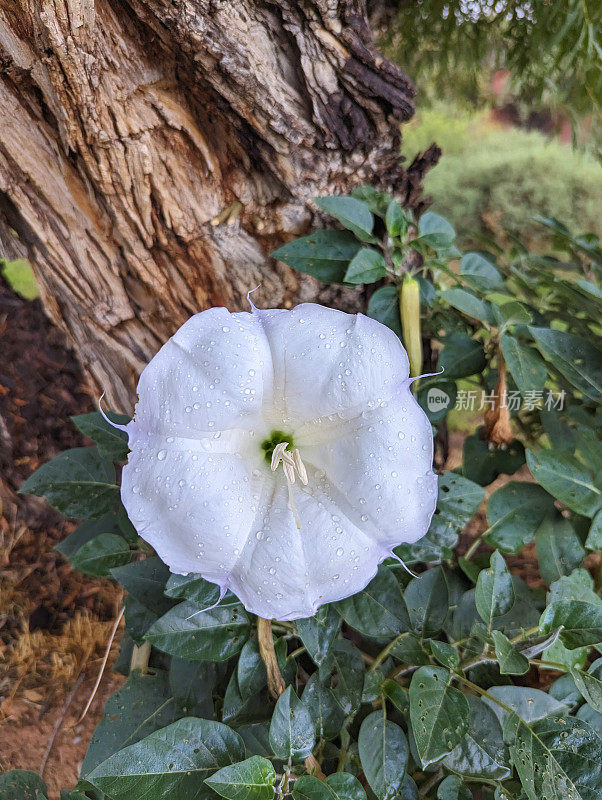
[
  {"x": 21, "y": 784},
  {"x": 145, "y": 580},
  {"x": 192, "y": 684},
  {"x": 379, "y": 609},
  {"x": 86, "y": 532},
  {"x": 559, "y": 550},
  {"x": 565, "y": 479},
  {"x": 581, "y": 622},
  {"x": 510, "y": 660},
  {"x": 172, "y": 762},
  {"x": 556, "y": 757},
  {"x": 251, "y": 671},
  {"x": 480, "y": 272},
  {"x": 481, "y": 752},
  {"x": 325, "y": 254},
  {"x": 384, "y": 307},
  {"x": 435, "y": 230},
  {"x": 193, "y": 587},
  {"x": 528, "y": 704},
  {"x": 323, "y": 708},
  {"x": 594, "y": 537},
  {"x": 291, "y": 728},
  {"x": 482, "y": 463},
  {"x": 577, "y": 359},
  {"x": 525, "y": 364},
  {"x": 383, "y": 751},
  {"x": 494, "y": 594},
  {"x": 190, "y": 632},
  {"x": 101, "y": 554},
  {"x": 515, "y": 512},
  {"x": 590, "y": 684},
  {"x": 426, "y": 598},
  {"x": 78, "y": 483},
  {"x": 592, "y": 717},
  {"x": 461, "y": 356},
  {"x": 347, "y": 661},
  {"x": 319, "y": 632},
  {"x": 512, "y": 313},
  {"x": 143, "y": 705},
  {"x": 468, "y": 304},
  {"x": 352, "y": 213},
  {"x": 395, "y": 220},
  {"x": 445, "y": 654},
  {"x": 112, "y": 443},
  {"x": 452, "y": 788},
  {"x": 252, "y": 779},
  {"x": 439, "y": 713},
  {"x": 396, "y": 694},
  {"x": 339, "y": 786},
  {"x": 367, "y": 266}
]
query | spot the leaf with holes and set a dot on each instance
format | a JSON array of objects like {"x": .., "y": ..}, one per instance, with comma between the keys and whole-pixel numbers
[{"x": 439, "y": 713}]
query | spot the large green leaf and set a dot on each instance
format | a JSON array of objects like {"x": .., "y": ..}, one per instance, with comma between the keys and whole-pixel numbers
[
  {"x": 193, "y": 587},
  {"x": 480, "y": 272},
  {"x": 566, "y": 479},
  {"x": 85, "y": 532},
  {"x": 515, "y": 512},
  {"x": 143, "y": 705},
  {"x": 379, "y": 609},
  {"x": 319, "y": 632},
  {"x": 556, "y": 757},
  {"x": 525, "y": 364},
  {"x": 325, "y": 254},
  {"x": 581, "y": 622},
  {"x": 348, "y": 664},
  {"x": 468, "y": 303},
  {"x": 172, "y": 762},
  {"x": 559, "y": 549},
  {"x": 323, "y": 707},
  {"x": 22, "y": 784},
  {"x": 339, "y": 786},
  {"x": 78, "y": 483},
  {"x": 494, "y": 594},
  {"x": 101, "y": 554},
  {"x": 352, "y": 213},
  {"x": 366, "y": 266},
  {"x": 383, "y": 751},
  {"x": 111, "y": 442},
  {"x": 426, "y": 598},
  {"x": 199, "y": 635},
  {"x": 481, "y": 752},
  {"x": 452, "y": 788},
  {"x": 461, "y": 356},
  {"x": 439, "y": 713},
  {"x": 577, "y": 359},
  {"x": 145, "y": 581},
  {"x": 528, "y": 704},
  {"x": 436, "y": 231},
  {"x": 252, "y": 779},
  {"x": 291, "y": 728},
  {"x": 384, "y": 307}
]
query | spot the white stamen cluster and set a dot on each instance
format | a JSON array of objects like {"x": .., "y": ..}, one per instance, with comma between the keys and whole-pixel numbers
[{"x": 291, "y": 462}]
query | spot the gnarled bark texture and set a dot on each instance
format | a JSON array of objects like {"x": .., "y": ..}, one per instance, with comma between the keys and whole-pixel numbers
[{"x": 153, "y": 152}]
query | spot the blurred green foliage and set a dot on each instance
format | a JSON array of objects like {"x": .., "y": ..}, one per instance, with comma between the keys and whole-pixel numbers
[
  {"x": 20, "y": 278},
  {"x": 491, "y": 182}
]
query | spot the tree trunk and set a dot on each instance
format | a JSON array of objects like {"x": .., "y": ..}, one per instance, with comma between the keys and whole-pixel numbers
[{"x": 153, "y": 152}]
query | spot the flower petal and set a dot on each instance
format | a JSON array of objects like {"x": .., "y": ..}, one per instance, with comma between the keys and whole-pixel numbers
[
  {"x": 381, "y": 462},
  {"x": 327, "y": 362},
  {"x": 193, "y": 501},
  {"x": 210, "y": 376}
]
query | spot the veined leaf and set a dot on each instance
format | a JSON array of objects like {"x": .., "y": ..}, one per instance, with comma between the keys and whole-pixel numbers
[
  {"x": 527, "y": 367},
  {"x": 494, "y": 594},
  {"x": 291, "y": 728},
  {"x": 111, "y": 442},
  {"x": 581, "y": 622},
  {"x": 577, "y": 359},
  {"x": 379, "y": 609},
  {"x": 325, "y": 254},
  {"x": 252, "y": 779},
  {"x": 352, "y": 213},
  {"x": 383, "y": 750},
  {"x": 566, "y": 479}
]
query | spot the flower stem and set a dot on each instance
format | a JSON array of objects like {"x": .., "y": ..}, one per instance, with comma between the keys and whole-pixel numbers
[{"x": 409, "y": 312}]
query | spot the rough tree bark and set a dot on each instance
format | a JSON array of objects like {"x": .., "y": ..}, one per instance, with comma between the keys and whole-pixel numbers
[{"x": 153, "y": 152}]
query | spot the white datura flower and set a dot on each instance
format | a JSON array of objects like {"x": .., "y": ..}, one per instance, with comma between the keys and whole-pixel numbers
[{"x": 280, "y": 454}]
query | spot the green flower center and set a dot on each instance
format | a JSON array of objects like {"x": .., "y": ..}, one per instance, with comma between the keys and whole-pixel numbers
[{"x": 275, "y": 438}]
